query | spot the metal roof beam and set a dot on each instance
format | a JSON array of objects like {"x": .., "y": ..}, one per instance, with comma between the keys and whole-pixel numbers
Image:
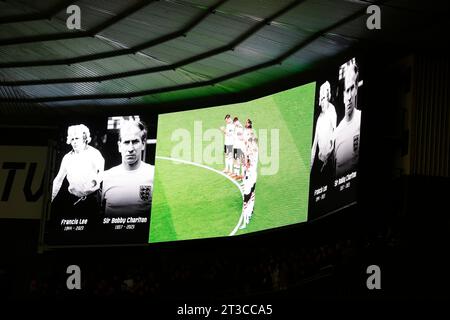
[
  {"x": 173, "y": 66},
  {"x": 120, "y": 52},
  {"x": 269, "y": 63}
]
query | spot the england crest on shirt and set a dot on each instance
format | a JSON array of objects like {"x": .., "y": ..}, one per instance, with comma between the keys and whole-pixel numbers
[
  {"x": 145, "y": 192},
  {"x": 356, "y": 143}
]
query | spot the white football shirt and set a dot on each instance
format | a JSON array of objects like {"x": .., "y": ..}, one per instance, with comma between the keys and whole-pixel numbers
[
  {"x": 83, "y": 168},
  {"x": 347, "y": 143},
  {"x": 238, "y": 139},
  {"x": 326, "y": 123},
  {"x": 229, "y": 131}
]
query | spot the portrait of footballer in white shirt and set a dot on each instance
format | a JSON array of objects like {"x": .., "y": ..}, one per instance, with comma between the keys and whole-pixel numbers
[
  {"x": 348, "y": 131},
  {"x": 127, "y": 188},
  {"x": 241, "y": 160}
]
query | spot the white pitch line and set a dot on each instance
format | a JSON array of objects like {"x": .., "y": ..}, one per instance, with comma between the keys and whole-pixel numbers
[{"x": 216, "y": 171}]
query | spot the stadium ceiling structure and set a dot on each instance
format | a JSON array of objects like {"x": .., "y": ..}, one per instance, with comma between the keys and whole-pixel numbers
[{"x": 144, "y": 52}]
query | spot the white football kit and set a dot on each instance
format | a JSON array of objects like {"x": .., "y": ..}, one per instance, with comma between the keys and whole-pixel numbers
[
  {"x": 326, "y": 124},
  {"x": 128, "y": 192},
  {"x": 83, "y": 169},
  {"x": 229, "y": 133},
  {"x": 238, "y": 138},
  {"x": 347, "y": 143}
]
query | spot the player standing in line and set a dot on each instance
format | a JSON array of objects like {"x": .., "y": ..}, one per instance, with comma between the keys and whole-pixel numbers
[
  {"x": 250, "y": 181},
  {"x": 228, "y": 131},
  {"x": 253, "y": 156},
  {"x": 238, "y": 146},
  {"x": 248, "y": 135},
  {"x": 248, "y": 131}
]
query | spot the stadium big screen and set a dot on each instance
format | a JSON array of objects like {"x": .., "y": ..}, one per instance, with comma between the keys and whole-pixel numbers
[
  {"x": 336, "y": 139},
  {"x": 279, "y": 160},
  {"x": 102, "y": 183},
  {"x": 233, "y": 169}
]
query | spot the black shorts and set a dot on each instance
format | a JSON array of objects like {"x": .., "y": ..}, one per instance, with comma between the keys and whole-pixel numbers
[
  {"x": 247, "y": 197},
  {"x": 238, "y": 154},
  {"x": 227, "y": 149},
  {"x": 322, "y": 173}
]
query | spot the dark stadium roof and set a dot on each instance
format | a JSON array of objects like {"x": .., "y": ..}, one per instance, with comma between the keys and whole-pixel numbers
[{"x": 146, "y": 52}]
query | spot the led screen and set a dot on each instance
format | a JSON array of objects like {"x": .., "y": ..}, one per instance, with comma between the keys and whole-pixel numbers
[
  {"x": 234, "y": 169},
  {"x": 230, "y": 170}
]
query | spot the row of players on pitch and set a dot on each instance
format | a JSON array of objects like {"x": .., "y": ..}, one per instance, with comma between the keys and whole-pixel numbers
[{"x": 241, "y": 160}]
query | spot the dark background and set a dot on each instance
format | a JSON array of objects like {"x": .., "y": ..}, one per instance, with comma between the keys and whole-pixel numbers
[{"x": 400, "y": 223}]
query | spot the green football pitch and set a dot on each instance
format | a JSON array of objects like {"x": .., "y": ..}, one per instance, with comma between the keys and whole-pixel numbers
[{"x": 192, "y": 199}]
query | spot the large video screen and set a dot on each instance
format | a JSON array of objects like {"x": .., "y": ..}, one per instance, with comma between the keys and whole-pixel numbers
[
  {"x": 233, "y": 169},
  {"x": 336, "y": 139},
  {"x": 102, "y": 184},
  {"x": 229, "y": 170}
]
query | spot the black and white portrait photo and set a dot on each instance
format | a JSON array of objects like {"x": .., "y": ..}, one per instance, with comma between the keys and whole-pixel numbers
[
  {"x": 348, "y": 131},
  {"x": 102, "y": 187},
  {"x": 336, "y": 140},
  {"x": 127, "y": 187}
]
